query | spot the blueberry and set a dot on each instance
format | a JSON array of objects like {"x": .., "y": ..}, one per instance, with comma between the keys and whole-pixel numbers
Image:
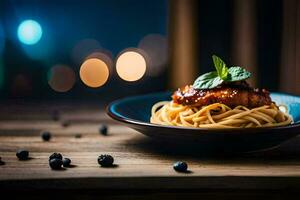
[
  {"x": 78, "y": 135},
  {"x": 66, "y": 162},
  {"x": 180, "y": 166},
  {"x": 105, "y": 160},
  {"x": 55, "y": 163},
  {"x": 103, "y": 129},
  {"x": 22, "y": 154},
  {"x": 46, "y": 136},
  {"x": 55, "y": 155}
]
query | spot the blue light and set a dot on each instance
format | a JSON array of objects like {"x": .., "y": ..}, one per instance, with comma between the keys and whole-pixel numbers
[{"x": 30, "y": 32}]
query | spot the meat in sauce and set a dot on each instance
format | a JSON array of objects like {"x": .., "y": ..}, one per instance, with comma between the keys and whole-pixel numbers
[{"x": 231, "y": 94}]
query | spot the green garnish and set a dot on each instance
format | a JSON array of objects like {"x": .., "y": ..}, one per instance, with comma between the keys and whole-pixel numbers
[
  {"x": 220, "y": 66},
  {"x": 222, "y": 74}
]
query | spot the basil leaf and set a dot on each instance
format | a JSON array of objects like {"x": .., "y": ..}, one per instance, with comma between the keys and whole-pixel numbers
[
  {"x": 222, "y": 74},
  {"x": 207, "y": 81},
  {"x": 220, "y": 66},
  {"x": 237, "y": 74}
]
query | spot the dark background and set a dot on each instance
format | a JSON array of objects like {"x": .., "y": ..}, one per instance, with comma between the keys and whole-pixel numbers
[
  {"x": 117, "y": 25},
  {"x": 215, "y": 28}
]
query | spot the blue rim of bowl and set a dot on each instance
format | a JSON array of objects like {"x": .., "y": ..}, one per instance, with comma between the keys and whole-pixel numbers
[{"x": 110, "y": 110}]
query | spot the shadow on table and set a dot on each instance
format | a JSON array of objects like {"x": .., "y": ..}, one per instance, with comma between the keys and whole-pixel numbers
[{"x": 287, "y": 153}]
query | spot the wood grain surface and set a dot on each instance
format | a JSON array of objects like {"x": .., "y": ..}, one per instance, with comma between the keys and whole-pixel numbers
[{"x": 141, "y": 163}]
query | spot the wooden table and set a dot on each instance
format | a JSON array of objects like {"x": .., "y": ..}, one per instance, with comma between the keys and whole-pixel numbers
[{"x": 143, "y": 166}]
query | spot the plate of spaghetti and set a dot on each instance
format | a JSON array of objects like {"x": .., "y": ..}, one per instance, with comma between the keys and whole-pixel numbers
[{"x": 219, "y": 111}]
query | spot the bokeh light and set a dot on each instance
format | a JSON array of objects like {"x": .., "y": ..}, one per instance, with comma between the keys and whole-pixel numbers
[
  {"x": 131, "y": 65},
  {"x": 61, "y": 78},
  {"x": 83, "y": 49},
  {"x": 156, "y": 48},
  {"x": 30, "y": 32},
  {"x": 94, "y": 72},
  {"x": 44, "y": 50}
]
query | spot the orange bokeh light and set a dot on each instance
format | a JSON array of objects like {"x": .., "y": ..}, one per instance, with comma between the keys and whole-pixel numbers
[
  {"x": 131, "y": 65},
  {"x": 94, "y": 72}
]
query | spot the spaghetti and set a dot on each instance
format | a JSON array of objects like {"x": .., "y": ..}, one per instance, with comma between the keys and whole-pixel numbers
[
  {"x": 220, "y": 99},
  {"x": 218, "y": 115}
]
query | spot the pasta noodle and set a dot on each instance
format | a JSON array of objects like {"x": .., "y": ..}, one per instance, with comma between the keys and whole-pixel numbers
[{"x": 218, "y": 115}]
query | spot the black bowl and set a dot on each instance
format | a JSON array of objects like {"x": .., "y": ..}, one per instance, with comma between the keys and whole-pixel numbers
[{"x": 135, "y": 112}]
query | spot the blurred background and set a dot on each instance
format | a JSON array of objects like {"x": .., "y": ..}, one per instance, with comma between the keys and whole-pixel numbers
[{"x": 106, "y": 49}]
